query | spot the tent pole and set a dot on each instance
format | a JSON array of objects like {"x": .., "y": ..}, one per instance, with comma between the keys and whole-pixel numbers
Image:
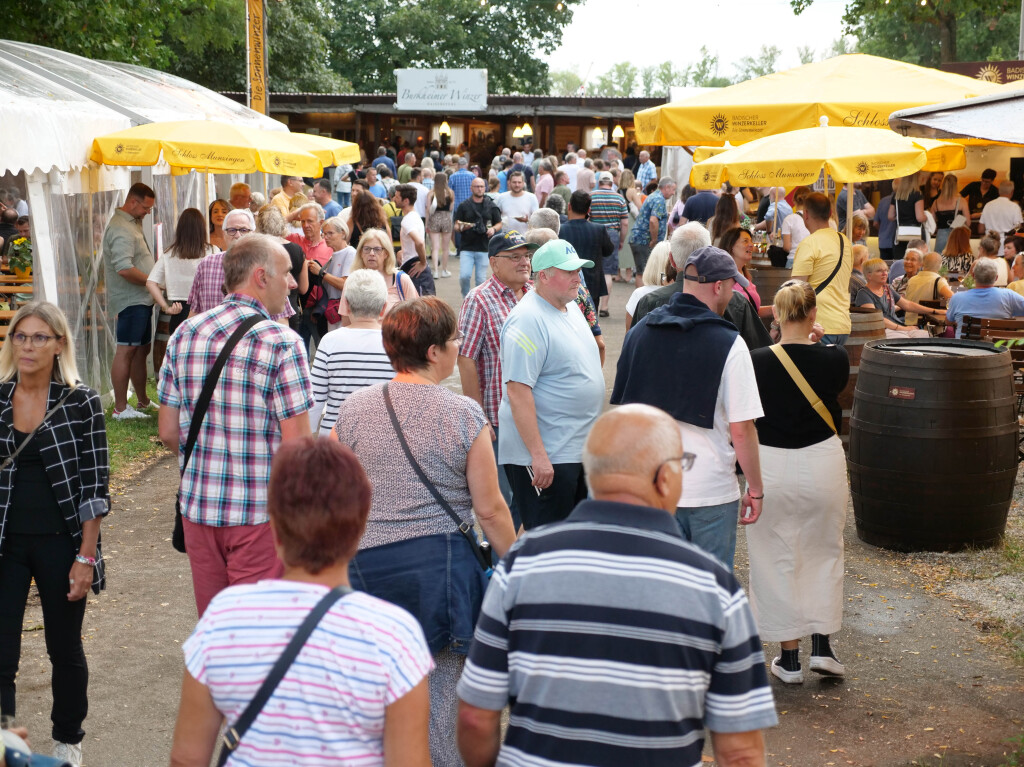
[
  {"x": 174, "y": 194},
  {"x": 206, "y": 191},
  {"x": 849, "y": 210}
]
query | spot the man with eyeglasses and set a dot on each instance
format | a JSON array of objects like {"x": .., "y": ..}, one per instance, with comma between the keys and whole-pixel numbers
[
  {"x": 127, "y": 262},
  {"x": 480, "y": 320},
  {"x": 624, "y": 609},
  {"x": 711, "y": 392},
  {"x": 208, "y": 287}
]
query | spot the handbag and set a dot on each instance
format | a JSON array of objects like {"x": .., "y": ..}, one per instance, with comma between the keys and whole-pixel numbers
[
  {"x": 332, "y": 311},
  {"x": 202, "y": 405},
  {"x": 905, "y": 233},
  {"x": 482, "y": 551},
  {"x": 234, "y": 734},
  {"x": 805, "y": 388}
]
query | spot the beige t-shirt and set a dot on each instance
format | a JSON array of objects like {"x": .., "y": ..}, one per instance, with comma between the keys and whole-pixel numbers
[
  {"x": 816, "y": 257},
  {"x": 922, "y": 287}
]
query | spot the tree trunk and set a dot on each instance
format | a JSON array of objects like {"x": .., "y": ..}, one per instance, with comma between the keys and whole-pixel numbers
[{"x": 947, "y": 36}]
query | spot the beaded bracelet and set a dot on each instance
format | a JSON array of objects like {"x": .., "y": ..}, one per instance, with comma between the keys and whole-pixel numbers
[
  {"x": 91, "y": 561},
  {"x": 755, "y": 497}
]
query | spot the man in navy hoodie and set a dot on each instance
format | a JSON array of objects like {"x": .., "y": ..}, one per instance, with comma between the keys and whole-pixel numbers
[{"x": 711, "y": 392}]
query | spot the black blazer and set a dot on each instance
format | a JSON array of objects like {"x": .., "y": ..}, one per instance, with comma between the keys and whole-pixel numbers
[{"x": 73, "y": 446}]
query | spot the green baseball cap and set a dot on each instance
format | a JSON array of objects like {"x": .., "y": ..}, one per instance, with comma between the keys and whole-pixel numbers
[{"x": 559, "y": 254}]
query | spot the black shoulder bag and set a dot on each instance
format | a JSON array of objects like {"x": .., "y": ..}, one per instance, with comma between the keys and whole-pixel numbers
[
  {"x": 202, "y": 405},
  {"x": 234, "y": 734},
  {"x": 482, "y": 551},
  {"x": 835, "y": 271}
]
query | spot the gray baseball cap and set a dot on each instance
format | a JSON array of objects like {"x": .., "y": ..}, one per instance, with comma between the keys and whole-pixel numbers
[{"x": 714, "y": 264}]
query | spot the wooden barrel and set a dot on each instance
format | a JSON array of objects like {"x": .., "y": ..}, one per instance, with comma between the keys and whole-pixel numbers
[
  {"x": 767, "y": 280},
  {"x": 933, "y": 444},
  {"x": 865, "y": 325}
]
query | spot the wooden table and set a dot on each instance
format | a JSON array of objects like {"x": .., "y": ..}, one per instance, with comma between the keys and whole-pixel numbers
[
  {"x": 11, "y": 279},
  {"x": 10, "y": 290}
]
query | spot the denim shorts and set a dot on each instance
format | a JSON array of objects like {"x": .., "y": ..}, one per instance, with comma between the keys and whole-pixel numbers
[{"x": 135, "y": 325}]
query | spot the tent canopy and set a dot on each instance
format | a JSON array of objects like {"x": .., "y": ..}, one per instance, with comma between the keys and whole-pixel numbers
[
  {"x": 60, "y": 102},
  {"x": 854, "y": 90},
  {"x": 995, "y": 118}
]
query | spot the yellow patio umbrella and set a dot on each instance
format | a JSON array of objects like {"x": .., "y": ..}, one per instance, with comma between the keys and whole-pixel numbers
[
  {"x": 207, "y": 145},
  {"x": 854, "y": 90},
  {"x": 330, "y": 151},
  {"x": 846, "y": 154}
]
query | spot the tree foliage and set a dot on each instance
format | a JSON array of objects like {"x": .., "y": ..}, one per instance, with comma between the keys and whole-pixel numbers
[
  {"x": 763, "y": 64},
  {"x": 933, "y": 33},
  {"x": 565, "y": 82},
  {"x": 375, "y": 37}
]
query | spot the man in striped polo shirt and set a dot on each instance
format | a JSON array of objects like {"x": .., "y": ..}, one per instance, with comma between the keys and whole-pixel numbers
[{"x": 616, "y": 641}]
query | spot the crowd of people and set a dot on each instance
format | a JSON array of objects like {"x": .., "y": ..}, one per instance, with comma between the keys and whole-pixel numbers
[{"x": 381, "y": 566}]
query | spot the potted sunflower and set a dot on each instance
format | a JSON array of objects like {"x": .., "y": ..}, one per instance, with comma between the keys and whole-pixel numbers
[{"x": 19, "y": 257}]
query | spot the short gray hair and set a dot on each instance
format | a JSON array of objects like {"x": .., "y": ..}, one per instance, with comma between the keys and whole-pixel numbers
[
  {"x": 556, "y": 203},
  {"x": 545, "y": 218},
  {"x": 315, "y": 207},
  {"x": 666, "y": 181},
  {"x": 245, "y": 213},
  {"x": 571, "y": 156},
  {"x": 686, "y": 239},
  {"x": 540, "y": 236},
  {"x": 985, "y": 271},
  {"x": 248, "y": 254},
  {"x": 366, "y": 293},
  {"x": 546, "y": 165}
]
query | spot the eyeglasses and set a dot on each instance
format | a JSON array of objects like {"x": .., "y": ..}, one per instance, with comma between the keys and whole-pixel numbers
[
  {"x": 459, "y": 337},
  {"x": 685, "y": 464},
  {"x": 522, "y": 257},
  {"x": 36, "y": 340},
  {"x": 374, "y": 250},
  {"x": 232, "y": 231}
]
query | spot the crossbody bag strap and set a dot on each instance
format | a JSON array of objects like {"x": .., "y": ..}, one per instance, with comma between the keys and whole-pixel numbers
[
  {"x": 805, "y": 388},
  {"x": 206, "y": 395},
  {"x": 233, "y": 735},
  {"x": 464, "y": 527},
  {"x": 835, "y": 271},
  {"x": 10, "y": 459}
]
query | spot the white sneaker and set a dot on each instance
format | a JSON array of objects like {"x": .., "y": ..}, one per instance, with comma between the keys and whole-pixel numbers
[
  {"x": 789, "y": 677},
  {"x": 68, "y": 752},
  {"x": 128, "y": 414},
  {"x": 445, "y": 273},
  {"x": 828, "y": 665}
]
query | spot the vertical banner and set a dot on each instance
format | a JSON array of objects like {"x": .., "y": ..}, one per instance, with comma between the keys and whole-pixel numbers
[{"x": 256, "y": 51}]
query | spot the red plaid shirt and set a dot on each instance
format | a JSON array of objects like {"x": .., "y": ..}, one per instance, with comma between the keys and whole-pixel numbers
[
  {"x": 208, "y": 287},
  {"x": 483, "y": 313}
]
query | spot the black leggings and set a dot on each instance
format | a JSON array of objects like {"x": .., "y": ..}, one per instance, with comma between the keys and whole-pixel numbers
[
  {"x": 48, "y": 559},
  {"x": 555, "y": 502}
]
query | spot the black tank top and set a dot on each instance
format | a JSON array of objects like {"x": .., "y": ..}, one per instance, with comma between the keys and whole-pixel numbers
[
  {"x": 447, "y": 205},
  {"x": 34, "y": 509}
]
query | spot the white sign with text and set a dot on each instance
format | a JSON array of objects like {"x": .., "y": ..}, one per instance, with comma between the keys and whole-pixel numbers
[{"x": 442, "y": 90}]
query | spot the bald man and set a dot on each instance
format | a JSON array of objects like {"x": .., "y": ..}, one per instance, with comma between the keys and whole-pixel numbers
[{"x": 616, "y": 586}]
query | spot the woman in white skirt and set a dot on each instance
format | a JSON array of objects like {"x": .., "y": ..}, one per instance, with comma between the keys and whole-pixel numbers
[{"x": 796, "y": 550}]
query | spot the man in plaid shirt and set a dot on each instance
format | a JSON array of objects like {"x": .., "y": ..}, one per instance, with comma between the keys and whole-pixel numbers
[
  {"x": 262, "y": 399},
  {"x": 483, "y": 313}
]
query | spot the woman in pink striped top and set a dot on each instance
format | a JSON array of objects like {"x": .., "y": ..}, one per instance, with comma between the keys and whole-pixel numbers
[{"x": 357, "y": 692}]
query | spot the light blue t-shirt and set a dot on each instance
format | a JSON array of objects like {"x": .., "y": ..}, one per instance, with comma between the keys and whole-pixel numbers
[
  {"x": 331, "y": 210},
  {"x": 554, "y": 353},
  {"x": 990, "y": 303}
]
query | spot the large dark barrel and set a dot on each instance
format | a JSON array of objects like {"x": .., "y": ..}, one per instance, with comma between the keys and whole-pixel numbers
[
  {"x": 933, "y": 444},
  {"x": 865, "y": 325},
  {"x": 767, "y": 279}
]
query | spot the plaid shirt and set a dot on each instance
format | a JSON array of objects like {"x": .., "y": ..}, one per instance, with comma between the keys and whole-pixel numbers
[
  {"x": 73, "y": 446},
  {"x": 265, "y": 381},
  {"x": 208, "y": 287},
  {"x": 646, "y": 173},
  {"x": 460, "y": 184},
  {"x": 480, "y": 320}
]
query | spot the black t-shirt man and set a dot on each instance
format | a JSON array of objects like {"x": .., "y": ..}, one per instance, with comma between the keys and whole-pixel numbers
[
  {"x": 482, "y": 215},
  {"x": 976, "y": 199}
]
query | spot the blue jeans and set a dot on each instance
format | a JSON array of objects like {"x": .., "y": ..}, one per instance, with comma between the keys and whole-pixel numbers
[
  {"x": 468, "y": 259},
  {"x": 837, "y": 339},
  {"x": 344, "y": 198},
  {"x": 711, "y": 528}
]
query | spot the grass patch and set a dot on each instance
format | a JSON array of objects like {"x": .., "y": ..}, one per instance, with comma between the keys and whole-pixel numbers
[{"x": 134, "y": 443}]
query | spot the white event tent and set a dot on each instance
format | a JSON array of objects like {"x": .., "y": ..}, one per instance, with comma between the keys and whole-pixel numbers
[{"x": 53, "y": 105}]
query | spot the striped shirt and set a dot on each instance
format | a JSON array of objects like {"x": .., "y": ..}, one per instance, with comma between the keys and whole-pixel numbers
[
  {"x": 265, "y": 381},
  {"x": 329, "y": 708},
  {"x": 616, "y": 642},
  {"x": 347, "y": 359},
  {"x": 608, "y": 208}
]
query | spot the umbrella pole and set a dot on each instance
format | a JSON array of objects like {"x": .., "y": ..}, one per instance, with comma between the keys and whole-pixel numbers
[
  {"x": 849, "y": 210},
  {"x": 206, "y": 190},
  {"x": 174, "y": 195}
]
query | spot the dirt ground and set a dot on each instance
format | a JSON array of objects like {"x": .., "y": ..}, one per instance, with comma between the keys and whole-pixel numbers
[{"x": 928, "y": 684}]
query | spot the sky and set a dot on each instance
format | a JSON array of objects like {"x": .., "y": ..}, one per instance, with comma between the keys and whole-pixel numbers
[{"x": 657, "y": 31}]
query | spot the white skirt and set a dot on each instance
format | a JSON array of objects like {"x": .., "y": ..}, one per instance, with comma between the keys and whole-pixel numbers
[{"x": 796, "y": 547}]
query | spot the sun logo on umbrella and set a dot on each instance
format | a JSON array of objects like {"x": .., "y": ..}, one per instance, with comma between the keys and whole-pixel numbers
[
  {"x": 119, "y": 148},
  {"x": 707, "y": 176},
  {"x": 719, "y": 124},
  {"x": 989, "y": 74},
  {"x": 862, "y": 168},
  {"x": 277, "y": 161}
]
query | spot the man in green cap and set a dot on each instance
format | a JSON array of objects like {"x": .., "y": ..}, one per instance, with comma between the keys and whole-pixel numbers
[{"x": 553, "y": 389}]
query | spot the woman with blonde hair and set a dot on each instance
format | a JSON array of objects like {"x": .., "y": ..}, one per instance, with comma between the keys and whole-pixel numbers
[
  {"x": 658, "y": 272},
  {"x": 878, "y": 294},
  {"x": 376, "y": 252},
  {"x": 796, "y": 547},
  {"x": 906, "y": 209},
  {"x": 945, "y": 208},
  {"x": 53, "y": 493},
  {"x": 270, "y": 220},
  {"x": 627, "y": 188},
  {"x": 439, "y": 223},
  {"x": 859, "y": 229}
]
